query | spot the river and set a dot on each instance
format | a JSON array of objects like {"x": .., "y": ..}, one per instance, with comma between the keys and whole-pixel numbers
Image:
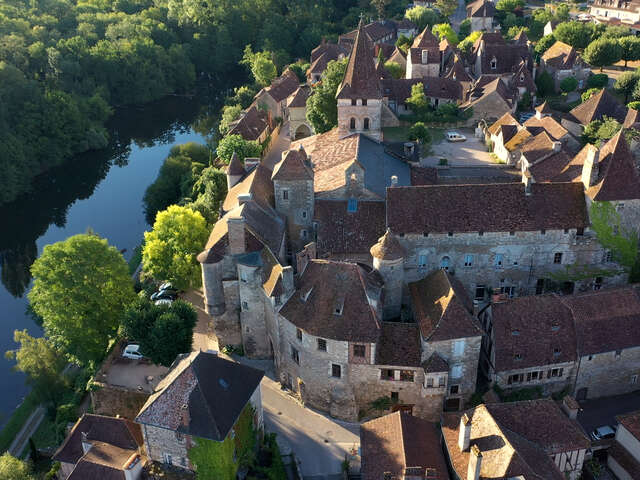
[{"x": 101, "y": 190}]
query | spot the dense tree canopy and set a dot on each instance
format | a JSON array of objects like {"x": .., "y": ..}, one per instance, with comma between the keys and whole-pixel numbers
[
  {"x": 12, "y": 468},
  {"x": 602, "y": 52},
  {"x": 423, "y": 17},
  {"x": 322, "y": 108},
  {"x": 235, "y": 143},
  {"x": 444, "y": 30},
  {"x": 170, "y": 249},
  {"x": 626, "y": 84},
  {"x": 576, "y": 34},
  {"x": 81, "y": 287}
]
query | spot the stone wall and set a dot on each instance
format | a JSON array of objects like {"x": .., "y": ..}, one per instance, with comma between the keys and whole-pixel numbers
[
  {"x": 547, "y": 383},
  {"x": 419, "y": 70},
  {"x": 111, "y": 401},
  {"x": 161, "y": 443},
  {"x": 372, "y": 111},
  {"x": 489, "y": 108},
  {"x": 480, "y": 24},
  {"x": 298, "y": 118},
  {"x": 609, "y": 373},
  {"x": 297, "y": 208},
  {"x": 226, "y": 327}
]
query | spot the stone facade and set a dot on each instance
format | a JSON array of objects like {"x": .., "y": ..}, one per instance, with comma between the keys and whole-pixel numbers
[
  {"x": 608, "y": 373},
  {"x": 295, "y": 201},
  {"x": 167, "y": 446},
  {"x": 299, "y": 126},
  {"x": 481, "y": 24},
  {"x": 551, "y": 378},
  {"x": 419, "y": 70},
  {"x": 360, "y": 118}
]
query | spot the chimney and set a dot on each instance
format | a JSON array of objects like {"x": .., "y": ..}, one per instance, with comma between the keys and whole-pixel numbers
[
  {"x": 464, "y": 436},
  {"x": 570, "y": 407},
  {"x": 557, "y": 146},
  {"x": 235, "y": 226},
  {"x": 303, "y": 257},
  {"x": 590, "y": 167},
  {"x": 475, "y": 463},
  {"x": 287, "y": 279},
  {"x": 250, "y": 163},
  {"x": 409, "y": 149},
  {"x": 133, "y": 467},
  {"x": 86, "y": 444},
  {"x": 244, "y": 198},
  {"x": 526, "y": 179},
  {"x": 394, "y": 181}
]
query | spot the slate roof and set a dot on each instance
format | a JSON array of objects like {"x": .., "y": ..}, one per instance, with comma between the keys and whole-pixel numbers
[
  {"x": 532, "y": 331},
  {"x": 501, "y": 207},
  {"x": 283, "y": 86},
  {"x": 293, "y": 167},
  {"x": 257, "y": 182},
  {"x": 202, "y": 396},
  {"x": 631, "y": 421},
  {"x": 442, "y": 309},
  {"x": 117, "y": 432},
  {"x": 388, "y": 248},
  {"x": 435, "y": 364},
  {"x": 561, "y": 56},
  {"x": 343, "y": 232},
  {"x": 360, "y": 80},
  {"x": 251, "y": 124},
  {"x": 399, "y": 345},
  {"x": 398, "y": 441},
  {"x": 618, "y": 178},
  {"x": 548, "y": 124},
  {"x": 511, "y": 444},
  {"x": 600, "y": 105},
  {"x": 481, "y": 8},
  {"x": 328, "y": 285}
]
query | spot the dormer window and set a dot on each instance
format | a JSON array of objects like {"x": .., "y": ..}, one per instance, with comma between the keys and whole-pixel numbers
[
  {"x": 337, "y": 309},
  {"x": 494, "y": 63},
  {"x": 364, "y": 102},
  {"x": 353, "y": 101},
  {"x": 285, "y": 194},
  {"x": 517, "y": 356},
  {"x": 352, "y": 205},
  {"x": 521, "y": 77},
  {"x": 425, "y": 56},
  {"x": 556, "y": 352}
]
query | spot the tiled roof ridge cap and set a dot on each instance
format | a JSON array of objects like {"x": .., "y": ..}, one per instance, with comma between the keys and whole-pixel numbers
[
  {"x": 364, "y": 287},
  {"x": 453, "y": 294}
]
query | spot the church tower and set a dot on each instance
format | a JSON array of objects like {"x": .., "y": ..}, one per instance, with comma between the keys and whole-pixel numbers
[{"x": 359, "y": 95}]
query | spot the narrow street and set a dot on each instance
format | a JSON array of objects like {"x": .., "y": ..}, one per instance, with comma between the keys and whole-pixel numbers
[
  {"x": 459, "y": 15},
  {"x": 281, "y": 144}
]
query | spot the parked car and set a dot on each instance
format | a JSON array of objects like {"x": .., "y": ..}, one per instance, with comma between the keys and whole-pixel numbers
[
  {"x": 455, "y": 137},
  {"x": 132, "y": 351},
  {"x": 163, "y": 301},
  {"x": 167, "y": 287},
  {"x": 604, "y": 432},
  {"x": 163, "y": 295}
]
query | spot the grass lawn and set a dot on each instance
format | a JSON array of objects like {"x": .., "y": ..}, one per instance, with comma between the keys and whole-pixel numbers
[
  {"x": 396, "y": 134},
  {"x": 15, "y": 423},
  {"x": 45, "y": 436}
]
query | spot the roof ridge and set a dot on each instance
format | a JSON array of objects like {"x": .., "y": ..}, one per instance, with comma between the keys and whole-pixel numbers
[{"x": 204, "y": 399}]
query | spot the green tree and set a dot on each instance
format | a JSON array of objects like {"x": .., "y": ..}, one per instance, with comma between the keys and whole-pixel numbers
[
  {"x": 12, "y": 468},
  {"x": 235, "y": 143},
  {"x": 170, "y": 249},
  {"x": 586, "y": 95},
  {"x": 43, "y": 364},
  {"x": 626, "y": 84},
  {"x": 599, "y": 80},
  {"x": 545, "y": 43},
  {"x": 576, "y": 34},
  {"x": 395, "y": 69},
  {"x": 444, "y": 30},
  {"x": 514, "y": 31},
  {"x": 509, "y": 6},
  {"x": 616, "y": 31},
  {"x": 446, "y": 7},
  {"x": 562, "y": 12},
  {"x": 380, "y": 6},
  {"x": 322, "y": 107},
  {"x": 230, "y": 113},
  {"x": 208, "y": 193},
  {"x": 545, "y": 84},
  {"x": 243, "y": 96},
  {"x": 466, "y": 44},
  {"x": 300, "y": 69},
  {"x": 613, "y": 235},
  {"x": 419, "y": 131},
  {"x": 423, "y": 17},
  {"x": 602, "y": 52},
  {"x": 403, "y": 43},
  {"x": 599, "y": 131},
  {"x": 418, "y": 101},
  {"x": 630, "y": 48},
  {"x": 81, "y": 287},
  {"x": 465, "y": 28},
  {"x": 568, "y": 84},
  {"x": 261, "y": 65},
  {"x": 635, "y": 105}
]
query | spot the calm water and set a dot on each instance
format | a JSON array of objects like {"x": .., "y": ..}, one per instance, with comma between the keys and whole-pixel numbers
[{"x": 100, "y": 190}]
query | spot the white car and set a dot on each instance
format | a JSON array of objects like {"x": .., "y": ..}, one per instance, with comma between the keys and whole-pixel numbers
[
  {"x": 132, "y": 351},
  {"x": 163, "y": 301},
  {"x": 455, "y": 137},
  {"x": 603, "y": 432}
]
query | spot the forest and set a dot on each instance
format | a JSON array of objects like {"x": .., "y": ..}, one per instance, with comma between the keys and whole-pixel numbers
[{"x": 65, "y": 65}]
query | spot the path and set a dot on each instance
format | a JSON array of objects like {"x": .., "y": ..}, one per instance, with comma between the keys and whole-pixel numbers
[
  {"x": 459, "y": 15},
  {"x": 280, "y": 145},
  {"x": 28, "y": 429}
]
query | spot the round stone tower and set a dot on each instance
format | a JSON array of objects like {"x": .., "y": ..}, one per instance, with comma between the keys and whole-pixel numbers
[
  {"x": 388, "y": 259},
  {"x": 211, "y": 263}
]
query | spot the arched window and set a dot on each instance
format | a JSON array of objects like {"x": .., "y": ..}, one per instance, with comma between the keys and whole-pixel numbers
[
  {"x": 445, "y": 263},
  {"x": 366, "y": 124},
  {"x": 494, "y": 63},
  {"x": 422, "y": 259},
  {"x": 352, "y": 124}
]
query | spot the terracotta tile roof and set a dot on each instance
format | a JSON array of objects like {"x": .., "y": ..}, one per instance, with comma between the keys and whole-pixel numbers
[
  {"x": 481, "y": 8},
  {"x": 399, "y": 345},
  {"x": 398, "y": 441},
  {"x": 299, "y": 98},
  {"x": 424, "y": 175},
  {"x": 596, "y": 107},
  {"x": 517, "y": 140},
  {"x": 442, "y": 309},
  {"x": 506, "y": 119},
  {"x": 544, "y": 108},
  {"x": 511, "y": 444},
  {"x": 606, "y": 320},
  {"x": 326, "y": 286},
  {"x": 561, "y": 56},
  {"x": 118, "y": 432},
  {"x": 251, "y": 125},
  {"x": 632, "y": 120},
  {"x": 283, "y": 86},
  {"x": 618, "y": 178},
  {"x": 538, "y": 147},
  {"x": 235, "y": 166},
  {"x": 555, "y": 130},
  {"x": 631, "y": 421},
  {"x": 435, "y": 363},
  {"x": 294, "y": 166},
  {"x": 627, "y": 461},
  {"x": 360, "y": 80},
  {"x": 341, "y": 231},
  {"x": 388, "y": 248},
  {"x": 556, "y": 168},
  {"x": 202, "y": 395},
  {"x": 425, "y": 39},
  {"x": 492, "y": 208},
  {"x": 532, "y": 331},
  {"x": 258, "y": 183}
]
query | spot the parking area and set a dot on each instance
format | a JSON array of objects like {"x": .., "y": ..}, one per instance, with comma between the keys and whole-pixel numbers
[
  {"x": 602, "y": 411},
  {"x": 131, "y": 374},
  {"x": 472, "y": 152}
]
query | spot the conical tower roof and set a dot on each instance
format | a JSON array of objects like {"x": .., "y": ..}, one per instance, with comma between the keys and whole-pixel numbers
[
  {"x": 235, "y": 166},
  {"x": 388, "y": 248},
  {"x": 425, "y": 39},
  {"x": 544, "y": 108},
  {"x": 360, "y": 79}
]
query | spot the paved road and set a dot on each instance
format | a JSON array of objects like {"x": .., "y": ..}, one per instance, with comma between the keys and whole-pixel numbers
[
  {"x": 459, "y": 15},
  {"x": 28, "y": 429},
  {"x": 602, "y": 411},
  {"x": 281, "y": 144}
]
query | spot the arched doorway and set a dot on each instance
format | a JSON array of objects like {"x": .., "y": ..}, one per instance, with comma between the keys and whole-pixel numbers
[{"x": 302, "y": 131}]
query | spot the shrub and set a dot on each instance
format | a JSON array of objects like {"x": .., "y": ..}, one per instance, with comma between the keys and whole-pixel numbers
[
  {"x": 635, "y": 105},
  {"x": 544, "y": 83},
  {"x": 600, "y": 80},
  {"x": 418, "y": 131},
  {"x": 569, "y": 84}
]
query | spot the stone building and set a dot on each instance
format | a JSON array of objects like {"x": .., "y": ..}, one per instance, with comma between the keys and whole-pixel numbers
[
  {"x": 320, "y": 58},
  {"x": 253, "y": 125},
  {"x": 492, "y": 55},
  {"x": 598, "y": 106},
  {"x": 481, "y": 13},
  {"x": 299, "y": 126},
  {"x": 423, "y": 57},
  {"x": 528, "y": 439},
  {"x": 624, "y": 456},
  {"x": 562, "y": 61},
  {"x": 202, "y": 397},
  {"x": 274, "y": 97},
  {"x": 489, "y": 101},
  {"x": 102, "y": 447},
  {"x": 628, "y": 12}
]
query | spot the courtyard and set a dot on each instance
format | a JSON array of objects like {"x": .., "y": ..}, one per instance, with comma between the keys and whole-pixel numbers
[{"x": 470, "y": 153}]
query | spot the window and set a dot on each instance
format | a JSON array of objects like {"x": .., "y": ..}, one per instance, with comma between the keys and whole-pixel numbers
[
  {"x": 580, "y": 231},
  {"x": 395, "y": 396},
  {"x": 494, "y": 63},
  {"x": 458, "y": 347},
  {"x": 422, "y": 260},
  {"x": 556, "y": 351},
  {"x": 304, "y": 214},
  {"x": 444, "y": 263},
  {"x": 429, "y": 382},
  {"x": 179, "y": 437},
  {"x": 634, "y": 379},
  {"x": 618, "y": 354},
  {"x": 540, "y": 286},
  {"x": 441, "y": 381},
  {"x": 509, "y": 291},
  {"x": 597, "y": 284},
  {"x": 543, "y": 232},
  {"x": 364, "y": 102},
  {"x": 245, "y": 306},
  {"x": 620, "y": 207},
  {"x": 337, "y": 310},
  {"x": 365, "y": 124},
  {"x": 616, "y": 229},
  {"x": 168, "y": 459},
  {"x": 299, "y": 334},
  {"x": 517, "y": 378},
  {"x": 353, "y": 101},
  {"x": 480, "y": 233},
  {"x": 480, "y": 292},
  {"x": 303, "y": 234},
  {"x": 352, "y": 205},
  {"x": 566, "y": 230},
  {"x": 555, "y": 373},
  {"x": 512, "y": 233},
  {"x": 468, "y": 260},
  {"x": 498, "y": 260},
  {"x": 454, "y": 389},
  {"x": 285, "y": 194},
  {"x": 387, "y": 374},
  {"x": 295, "y": 356},
  {"x": 607, "y": 256},
  {"x": 425, "y": 56},
  {"x": 590, "y": 357},
  {"x": 336, "y": 371},
  {"x": 450, "y": 234},
  {"x": 406, "y": 375},
  {"x": 352, "y": 123},
  {"x": 183, "y": 461},
  {"x": 557, "y": 257},
  {"x": 322, "y": 345},
  {"x": 359, "y": 351},
  {"x": 456, "y": 371}
]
